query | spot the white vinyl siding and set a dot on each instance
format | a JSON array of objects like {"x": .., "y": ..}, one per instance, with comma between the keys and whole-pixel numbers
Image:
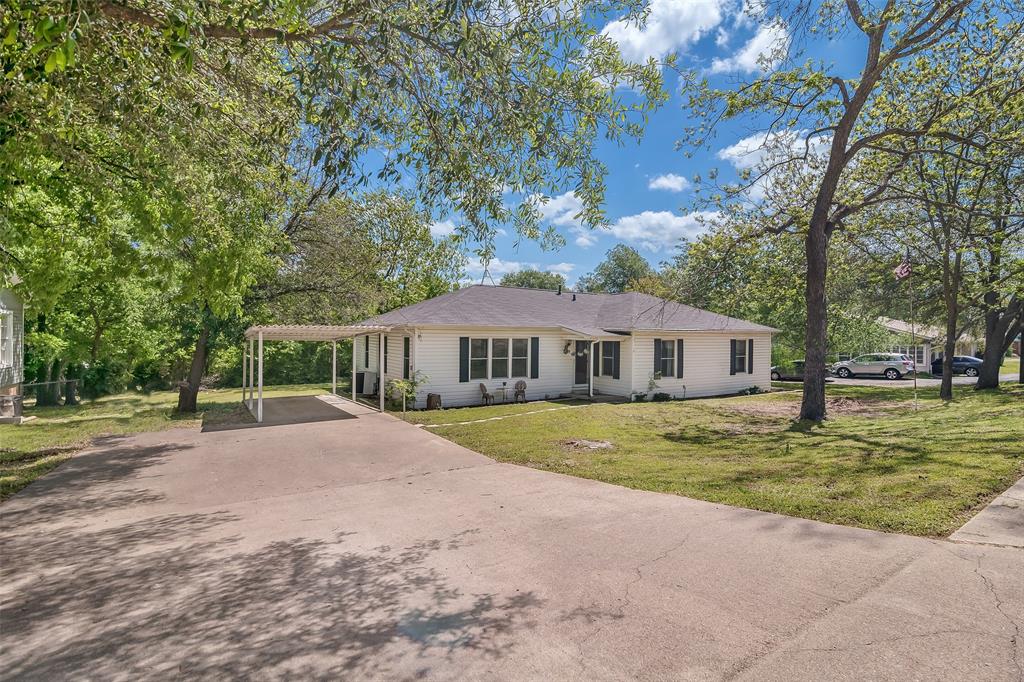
[
  {"x": 437, "y": 357},
  {"x": 607, "y": 385},
  {"x": 12, "y": 312},
  {"x": 707, "y": 357}
]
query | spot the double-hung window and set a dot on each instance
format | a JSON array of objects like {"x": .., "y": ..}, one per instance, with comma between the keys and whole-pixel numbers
[
  {"x": 520, "y": 357},
  {"x": 667, "y": 361},
  {"x": 499, "y": 363},
  {"x": 610, "y": 358},
  {"x": 6, "y": 339},
  {"x": 739, "y": 356},
  {"x": 478, "y": 358}
]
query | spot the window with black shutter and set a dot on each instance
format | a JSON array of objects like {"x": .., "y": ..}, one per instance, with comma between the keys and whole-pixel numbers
[
  {"x": 610, "y": 358},
  {"x": 739, "y": 356},
  {"x": 406, "y": 346},
  {"x": 667, "y": 359}
]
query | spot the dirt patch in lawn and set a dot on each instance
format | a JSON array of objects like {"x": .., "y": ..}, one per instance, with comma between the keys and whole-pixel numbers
[
  {"x": 581, "y": 444},
  {"x": 838, "y": 406}
]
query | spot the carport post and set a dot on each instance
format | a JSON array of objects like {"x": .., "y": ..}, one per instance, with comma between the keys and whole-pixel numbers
[
  {"x": 354, "y": 368},
  {"x": 245, "y": 370},
  {"x": 334, "y": 368},
  {"x": 252, "y": 362},
  {"x": 259, "y": 407},
  {"x": 380, "y": 370}
]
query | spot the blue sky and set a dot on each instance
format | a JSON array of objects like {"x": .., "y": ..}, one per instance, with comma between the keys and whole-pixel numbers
[{"x": 650, "y": 182}]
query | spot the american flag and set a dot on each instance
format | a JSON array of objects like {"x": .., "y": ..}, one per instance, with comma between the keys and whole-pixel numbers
[{"x": 903, "y": 270}]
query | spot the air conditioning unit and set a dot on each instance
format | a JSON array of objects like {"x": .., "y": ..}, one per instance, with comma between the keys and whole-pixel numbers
[{"x": 366, "y": 382}]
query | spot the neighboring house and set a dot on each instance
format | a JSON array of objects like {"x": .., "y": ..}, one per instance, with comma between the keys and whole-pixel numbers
[
  {"x": 562, "y": 343},
  {"x": 12, "y": 337},
  {"x": 930, "y": 341}
]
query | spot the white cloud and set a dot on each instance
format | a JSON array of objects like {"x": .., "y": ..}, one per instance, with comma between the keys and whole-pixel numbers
[
  {"x": 657, "y": 230},
  {"x": 669, "y": 182},
  {"x": 754, "y": 153},
  {"x": 763, "y": 51},
  {"x": 442, "y": 228},
  {"x": 561, "y": 211},
  {"x": 671, "y": 26},
  {"x": 498, "y": 267}
]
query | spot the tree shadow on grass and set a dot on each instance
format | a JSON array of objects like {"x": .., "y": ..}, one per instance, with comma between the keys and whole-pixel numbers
[{"x": 177, "y": 596}]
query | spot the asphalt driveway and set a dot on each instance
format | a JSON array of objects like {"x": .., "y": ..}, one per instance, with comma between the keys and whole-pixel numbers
[{"x": 368, "y": 548}]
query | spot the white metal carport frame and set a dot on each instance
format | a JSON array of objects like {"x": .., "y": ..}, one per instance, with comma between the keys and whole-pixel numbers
[{"x": 252, "y": 353}]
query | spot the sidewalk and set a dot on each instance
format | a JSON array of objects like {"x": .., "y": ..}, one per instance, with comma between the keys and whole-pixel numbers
[{"x": 1000, "y": 523}]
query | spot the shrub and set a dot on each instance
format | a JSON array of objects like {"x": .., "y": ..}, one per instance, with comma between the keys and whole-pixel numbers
[{"x": 661, "y": 397}]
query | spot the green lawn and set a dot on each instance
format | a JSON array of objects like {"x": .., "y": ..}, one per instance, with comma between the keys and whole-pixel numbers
[
  {"x": 29, "y": 450},
  {"x": 462, "y": 414},
  {"x": 1010, "y": 366},
  {"x": 876, "y": 463}
]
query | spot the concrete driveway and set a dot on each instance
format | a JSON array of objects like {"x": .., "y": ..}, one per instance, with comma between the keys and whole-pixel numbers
[{"x": 368, "y": 548}]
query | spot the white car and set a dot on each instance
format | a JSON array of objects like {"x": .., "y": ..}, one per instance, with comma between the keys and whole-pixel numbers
[{"x": 888, "y": 365}]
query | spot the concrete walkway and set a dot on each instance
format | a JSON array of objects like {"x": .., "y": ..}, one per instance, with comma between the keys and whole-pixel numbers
[
  {"x": 366, "y": 548},
  {"x": 1000, "y": 523}
]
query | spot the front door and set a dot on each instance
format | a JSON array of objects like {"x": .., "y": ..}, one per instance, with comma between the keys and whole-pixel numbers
[{"x": 582, "y": 362}]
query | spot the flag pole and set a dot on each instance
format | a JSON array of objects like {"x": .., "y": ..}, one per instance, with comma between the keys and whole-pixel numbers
[{"x": 913, "y": 328}]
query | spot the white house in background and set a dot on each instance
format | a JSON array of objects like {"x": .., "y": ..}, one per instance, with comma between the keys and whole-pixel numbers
[
  {"x": 12, "y": 337},
  {"x": 12, "y": 356},
  {"x": 930, "y": 341},
  {"x": 561, "y": 343}
]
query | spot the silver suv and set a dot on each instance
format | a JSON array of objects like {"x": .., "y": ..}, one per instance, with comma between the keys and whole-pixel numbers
[{"x": 889, "y": 365}]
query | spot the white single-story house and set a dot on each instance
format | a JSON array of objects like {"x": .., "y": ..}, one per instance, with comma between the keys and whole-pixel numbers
[
  {"x": 12, "y": 342},
  {"x": 930, "y": 341},
  {"x": 12, "y": 356},
  {"x": 560, "y": 343}
]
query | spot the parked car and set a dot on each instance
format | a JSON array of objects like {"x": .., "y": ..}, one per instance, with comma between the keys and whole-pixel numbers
[
  {"x": 962, "y": 364},
  {"x": 889, "y": 365},
  {"x": 790, "y": 371}
]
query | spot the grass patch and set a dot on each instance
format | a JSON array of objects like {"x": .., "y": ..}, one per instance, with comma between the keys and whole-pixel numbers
[
  {"x": 1010, "y": 366},
  {"x": 461, "y": 414},
  {"x": 877, "y": 463},
  {"x": 29, "y": 450}
]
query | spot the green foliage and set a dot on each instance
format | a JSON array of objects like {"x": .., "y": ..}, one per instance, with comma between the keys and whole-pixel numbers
[
  {"x": 533, "y": 279},
  {"x": 622, "y": 268},
  {"x": 463, "y": 98}
]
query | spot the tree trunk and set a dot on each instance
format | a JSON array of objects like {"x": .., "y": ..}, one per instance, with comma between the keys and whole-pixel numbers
[
  {"x": 1000, "y": 328},
  {"x": 188, "y": 390},
  {"x": 951, "y": 276},
  {"x": 46, "y": 392},
  {"x": 815, "y": 336}
]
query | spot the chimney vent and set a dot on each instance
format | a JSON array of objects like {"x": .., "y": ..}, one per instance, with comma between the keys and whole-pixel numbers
[
  {"x": 559, "y": 290},
  {"x": 574, "y": 297}
]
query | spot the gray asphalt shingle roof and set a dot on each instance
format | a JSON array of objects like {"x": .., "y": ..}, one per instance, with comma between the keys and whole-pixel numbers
[{"x": 590, "y": 314}]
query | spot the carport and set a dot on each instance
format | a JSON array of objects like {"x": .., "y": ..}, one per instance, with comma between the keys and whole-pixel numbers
[{"x": 252, "y": 351}]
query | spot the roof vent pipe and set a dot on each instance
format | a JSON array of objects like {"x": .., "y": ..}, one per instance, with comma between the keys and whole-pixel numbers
[
  {"x": 559, "y": 290},
  {"x": 574, "y": 297}
]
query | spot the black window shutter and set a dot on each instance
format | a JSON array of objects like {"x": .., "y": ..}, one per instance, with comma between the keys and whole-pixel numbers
[
  {"x": 366, "y": 353},
  {"x": 463, "y": 359},
  {"x": 732, "y": 356},
  {"x": 657, "y": 356},
  {"x": 534, "y": 357},
  {"x": 750, "y": 356},
  {"x": 406, "y": 357},
  {"x": 385, "y": 355},
  {"x": 596, "y": 350},
  {"x": 679, "y": 358},
  {"x": 615, "y": 360}
]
